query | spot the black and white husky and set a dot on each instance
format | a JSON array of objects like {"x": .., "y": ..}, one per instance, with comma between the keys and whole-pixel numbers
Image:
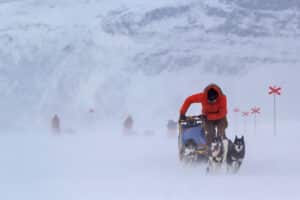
[
  {"x": 235, "y": 154},
  {"x": 215, "y": 155},
  {"x": 223, "y": 151}
]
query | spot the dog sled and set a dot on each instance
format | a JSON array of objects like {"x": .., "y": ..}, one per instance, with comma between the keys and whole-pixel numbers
[{"x": 192, "y": 144}]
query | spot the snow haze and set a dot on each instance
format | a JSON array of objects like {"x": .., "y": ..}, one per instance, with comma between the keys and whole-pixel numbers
[{"x": 143, "y": 58}]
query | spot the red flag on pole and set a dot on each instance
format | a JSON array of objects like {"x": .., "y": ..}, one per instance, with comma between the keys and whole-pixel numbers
[
  {"x": 275, "y": 90},
  {"x": 236, "y": 110},
  {"x": 236, "y": 121},
  {"x": 245, "y": 114},
  {"x": 255, "y": 110}
]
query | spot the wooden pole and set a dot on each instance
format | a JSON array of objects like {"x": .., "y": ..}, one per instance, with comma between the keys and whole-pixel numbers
[
  {"x": 245, "y": 124},
  {"x": 254, "y": 123},
  {"x": 275, "y": 91},
  {"x": 274, "y": 116}
]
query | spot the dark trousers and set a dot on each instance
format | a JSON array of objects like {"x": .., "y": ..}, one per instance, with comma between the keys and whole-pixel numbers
[{"x": 215, "y": 128}]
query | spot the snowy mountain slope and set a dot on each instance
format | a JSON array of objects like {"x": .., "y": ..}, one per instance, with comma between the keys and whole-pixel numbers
[
  {"x": 267, "y": 5},
  {"x": 191, "y": 34}
]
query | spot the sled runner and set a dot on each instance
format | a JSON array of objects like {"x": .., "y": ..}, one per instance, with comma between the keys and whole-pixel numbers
[{"x": 191, "y": 140}]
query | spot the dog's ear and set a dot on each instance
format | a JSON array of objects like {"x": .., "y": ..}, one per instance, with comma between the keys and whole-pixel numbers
[{"x": 242, "y": 138}]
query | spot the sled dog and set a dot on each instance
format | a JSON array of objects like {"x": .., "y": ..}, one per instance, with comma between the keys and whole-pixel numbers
[{"x": 235, "y": 154}]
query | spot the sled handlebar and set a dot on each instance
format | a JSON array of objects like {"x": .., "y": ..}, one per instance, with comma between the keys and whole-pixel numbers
[
  {"x": 199, "y": 118},
  {"x": 196, "y": 116}
]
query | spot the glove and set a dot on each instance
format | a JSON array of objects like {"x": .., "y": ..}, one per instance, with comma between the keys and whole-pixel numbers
[{"x": 182, "y": 118}]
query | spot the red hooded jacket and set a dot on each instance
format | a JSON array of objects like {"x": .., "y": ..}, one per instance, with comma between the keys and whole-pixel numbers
[{"x": 213, "y": 111}]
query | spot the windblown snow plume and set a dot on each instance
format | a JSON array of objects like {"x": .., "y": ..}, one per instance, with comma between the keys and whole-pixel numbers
[{"x": 95, "y": 62}]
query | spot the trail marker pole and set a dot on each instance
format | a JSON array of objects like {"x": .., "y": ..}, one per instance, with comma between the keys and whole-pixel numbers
[
  {"x": 255, "y": 111},
  {"x": 236, "y": 111},
  {"x": 275, "y": 91},
  {"x": 245, "y": 115}
]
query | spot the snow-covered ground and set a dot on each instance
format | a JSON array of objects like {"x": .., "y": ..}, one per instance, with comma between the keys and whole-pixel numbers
[
  {"x": 106, "y": 165},
  {"x": 143, "y": 58}
]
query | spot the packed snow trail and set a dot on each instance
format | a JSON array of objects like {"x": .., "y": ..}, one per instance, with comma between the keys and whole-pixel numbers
[{"x": 107, "y": 165}]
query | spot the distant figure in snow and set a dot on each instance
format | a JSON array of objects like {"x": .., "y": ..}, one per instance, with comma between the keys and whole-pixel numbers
[
  {"x": 55, "y": 124},
  {"x": 128, "y": 125},
  {"x": 172, "y": 128}
]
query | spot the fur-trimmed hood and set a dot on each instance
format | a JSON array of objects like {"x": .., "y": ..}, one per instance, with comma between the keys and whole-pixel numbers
[{"x": 215, "y": 87}]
